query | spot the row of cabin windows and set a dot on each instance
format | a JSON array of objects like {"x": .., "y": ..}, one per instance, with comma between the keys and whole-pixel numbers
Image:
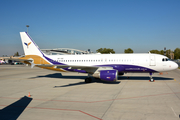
[
  {"x": 113, "y": 60},
  {"x": 77, "y": 60}
]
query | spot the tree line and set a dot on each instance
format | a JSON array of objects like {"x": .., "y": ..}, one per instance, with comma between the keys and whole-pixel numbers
[
  {"x": 168, "y": 53},
  {"x": 108, "y": 50},
  {"x": 176, "y": 52}
]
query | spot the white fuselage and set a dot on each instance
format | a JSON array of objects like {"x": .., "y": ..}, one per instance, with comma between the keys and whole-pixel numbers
[{"x": 131, "y": 62}]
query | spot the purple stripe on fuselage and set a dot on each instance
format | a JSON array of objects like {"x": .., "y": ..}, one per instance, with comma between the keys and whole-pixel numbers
[
  {"x": 120, "y": 68},
  {"x": 128, "y": 68},
  {"x": 53, "y": 61}
]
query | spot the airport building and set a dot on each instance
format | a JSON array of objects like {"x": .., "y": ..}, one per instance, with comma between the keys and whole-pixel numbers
[
  {"x": 56, "y": 51},
  {"x": 64, "y": 51}
]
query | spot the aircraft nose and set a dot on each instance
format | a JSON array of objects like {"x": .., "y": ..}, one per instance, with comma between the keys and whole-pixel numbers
[{"x": 174, "y": 65}]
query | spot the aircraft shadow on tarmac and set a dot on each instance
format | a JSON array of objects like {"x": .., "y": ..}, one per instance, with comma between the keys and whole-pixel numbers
[
  {"x": 14, "y": 110},
  {"x": 143, "y": 78},
  {"x": 59, "y": 75},
  {"x": 94, "y": 80}
]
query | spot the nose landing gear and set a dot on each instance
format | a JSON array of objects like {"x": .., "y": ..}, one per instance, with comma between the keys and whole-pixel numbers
[{"x": 151, "y": 79}]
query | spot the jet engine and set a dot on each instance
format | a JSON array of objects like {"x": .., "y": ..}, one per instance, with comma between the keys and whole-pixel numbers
[{"x": 107, "y": 75}]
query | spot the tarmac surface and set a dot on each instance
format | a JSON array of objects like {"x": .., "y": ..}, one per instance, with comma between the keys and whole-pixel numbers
[{"x": 65, "y": 96}]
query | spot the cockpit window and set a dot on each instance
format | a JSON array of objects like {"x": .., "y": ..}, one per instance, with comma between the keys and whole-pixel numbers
[
  {"x": 165, "y": 59},
  {"x": 169, "y": 59}
]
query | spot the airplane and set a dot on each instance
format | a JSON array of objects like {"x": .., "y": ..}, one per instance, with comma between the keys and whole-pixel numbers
[
  {"x": 2, "y": 62},
  {"x": 107, "y": 67}
]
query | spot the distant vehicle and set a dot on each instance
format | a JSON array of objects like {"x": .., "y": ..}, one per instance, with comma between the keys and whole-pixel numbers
[
  {"x": 2, "y": 62},
  {"x": 16, "y": 63}
]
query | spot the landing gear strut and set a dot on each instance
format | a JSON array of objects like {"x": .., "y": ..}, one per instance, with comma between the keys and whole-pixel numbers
[
  {"x": 151, "y": 79},
  {"x": 88, "y": 80}
]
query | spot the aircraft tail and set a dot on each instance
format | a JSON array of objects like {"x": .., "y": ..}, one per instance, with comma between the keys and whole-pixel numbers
[{"x": 29, "y": 46}]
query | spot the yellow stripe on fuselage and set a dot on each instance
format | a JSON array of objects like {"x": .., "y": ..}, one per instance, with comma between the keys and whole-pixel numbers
[{"x": 39, "y": 60}]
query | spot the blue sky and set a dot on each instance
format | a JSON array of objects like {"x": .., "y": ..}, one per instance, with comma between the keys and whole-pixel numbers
[{"x": 141, "y": 25}]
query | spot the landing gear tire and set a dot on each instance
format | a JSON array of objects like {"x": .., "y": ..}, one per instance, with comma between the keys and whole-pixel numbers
[
  {"x": 88, "y": 80},
  {"x": 151, "y": 80}
]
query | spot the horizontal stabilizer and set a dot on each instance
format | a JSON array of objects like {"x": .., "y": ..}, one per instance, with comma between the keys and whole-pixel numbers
[{"x": 20, "y": 60}]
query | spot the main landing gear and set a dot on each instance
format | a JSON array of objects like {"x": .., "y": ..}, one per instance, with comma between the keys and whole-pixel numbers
[
  {"x": 151, "y": 79},
  {"x": 88, "y": 79}
]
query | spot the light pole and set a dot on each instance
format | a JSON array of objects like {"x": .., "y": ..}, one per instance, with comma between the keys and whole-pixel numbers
[
  {"x": 164, "y": 51},
  {"x": 27, "y": 27}
]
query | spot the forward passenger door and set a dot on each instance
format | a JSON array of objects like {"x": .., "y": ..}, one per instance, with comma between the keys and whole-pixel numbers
[{"x": 152, "y": 60}]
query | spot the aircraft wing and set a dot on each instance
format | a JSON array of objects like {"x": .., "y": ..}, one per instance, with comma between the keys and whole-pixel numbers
[
  {"x": 88, "y": 69},
  {"x": 65, "y": 66}
]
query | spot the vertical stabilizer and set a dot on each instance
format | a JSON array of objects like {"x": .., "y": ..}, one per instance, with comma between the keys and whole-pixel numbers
[{"x": 29, "y": 46}]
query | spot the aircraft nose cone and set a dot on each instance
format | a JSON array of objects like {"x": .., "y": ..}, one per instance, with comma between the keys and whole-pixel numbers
[{"x": 175, "y": 65}]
